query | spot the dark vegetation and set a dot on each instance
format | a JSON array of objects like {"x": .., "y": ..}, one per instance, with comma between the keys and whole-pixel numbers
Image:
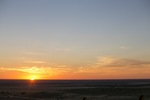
[
  {"x": 111, "y": 91},
  {"x": 62, "y": 90},
  {"x": 44, "y": 94}
]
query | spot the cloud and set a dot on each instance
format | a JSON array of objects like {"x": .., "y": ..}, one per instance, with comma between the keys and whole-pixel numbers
[
  {"x": 104, "y": 67},
  {"x": 63, "y": 49},
  {"x": 123, "y": 47},
  {"x": 33, "y": 69},
  {"x": 33, "y": 53},
  {"x": 34, "y": 61},
  {"x": 30, "y": 60},
  {"x": 43, "y": 70},
  {"x": 121, "y": 62}
]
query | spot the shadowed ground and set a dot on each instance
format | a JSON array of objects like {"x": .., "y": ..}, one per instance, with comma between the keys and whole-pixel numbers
[{"x": 74, "y": 91}]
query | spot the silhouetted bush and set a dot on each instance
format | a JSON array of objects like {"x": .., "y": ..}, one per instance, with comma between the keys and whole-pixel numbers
[{"x": 23, "y": 93}]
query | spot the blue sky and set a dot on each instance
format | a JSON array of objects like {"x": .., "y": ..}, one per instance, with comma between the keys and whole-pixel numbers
[{"x": 73, "y": 32}]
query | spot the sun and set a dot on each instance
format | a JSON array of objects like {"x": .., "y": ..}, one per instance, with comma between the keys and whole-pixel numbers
[{"x": 32, "y": 79}]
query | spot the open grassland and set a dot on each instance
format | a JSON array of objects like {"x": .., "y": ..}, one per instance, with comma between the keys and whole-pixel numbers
[{"x": 65, "y": 92}]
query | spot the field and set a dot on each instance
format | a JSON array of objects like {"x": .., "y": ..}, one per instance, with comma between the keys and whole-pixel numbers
[{"x": 74, "y": 90}]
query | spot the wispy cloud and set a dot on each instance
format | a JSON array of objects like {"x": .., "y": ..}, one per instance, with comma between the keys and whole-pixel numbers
[
  {"x": 34, "y": 61},
  {"x": 33, "y": 70},
  {"x": 104, "y": 67},
  {"x": 33, "y": 53},
  {"x": 101, "y": 63},
  {"x": 63, "y": 49},
  {"x": 123, "y": 47},
  {"x": 121, "y": 62}
]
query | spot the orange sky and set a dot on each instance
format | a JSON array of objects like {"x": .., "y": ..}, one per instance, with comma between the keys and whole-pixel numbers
[{"x": 103, "y": 68}]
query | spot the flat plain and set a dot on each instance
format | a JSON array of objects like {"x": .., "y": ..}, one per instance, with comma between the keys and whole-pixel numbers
[{"x": 74, "y": 89}]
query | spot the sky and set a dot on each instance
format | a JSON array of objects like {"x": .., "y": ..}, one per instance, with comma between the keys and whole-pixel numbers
[{"x": 74, "y": 39}]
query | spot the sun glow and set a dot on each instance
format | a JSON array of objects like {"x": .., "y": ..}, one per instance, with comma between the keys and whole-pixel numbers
[{"x": 32, "y": 79}]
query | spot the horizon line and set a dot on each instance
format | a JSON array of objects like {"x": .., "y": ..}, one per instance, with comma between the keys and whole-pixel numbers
[{"x": 77, "y": 79}]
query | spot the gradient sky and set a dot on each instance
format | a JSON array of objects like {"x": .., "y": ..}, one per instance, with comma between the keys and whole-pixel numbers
[{"x": 74, "y": 39}]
